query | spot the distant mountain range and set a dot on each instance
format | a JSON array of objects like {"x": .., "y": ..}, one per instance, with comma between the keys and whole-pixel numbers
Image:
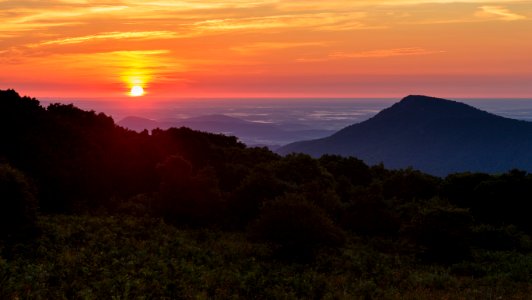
[
  {"x": 433, "y": 135},
  {"x": 250, "y": 133}
]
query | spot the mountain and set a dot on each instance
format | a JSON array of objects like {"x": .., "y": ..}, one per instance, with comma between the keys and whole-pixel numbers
[
  {"x": 433, "y": 135},
  {"x": 139, "y": 123},
  {"x": 251, "y": 133}
]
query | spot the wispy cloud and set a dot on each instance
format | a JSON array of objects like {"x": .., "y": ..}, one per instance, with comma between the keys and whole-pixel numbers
[
  {"x": 56, "y": 15},
  {"x": 290, "y": 5},
  {"x": 142, "y": 35},
  {"x": 317, "y": 21},
  {"x": 498, "y": 12},
  {"x": 193, "y": 4},
  {"x": 379, "y": 53},
  {"x": 384, "y": 53},
  {"x": 269, "y": 46},
  {"x": 202, "y": 39}
]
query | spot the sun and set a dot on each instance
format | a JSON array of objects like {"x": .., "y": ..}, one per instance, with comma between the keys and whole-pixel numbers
[{"x": 136, "y": 91}]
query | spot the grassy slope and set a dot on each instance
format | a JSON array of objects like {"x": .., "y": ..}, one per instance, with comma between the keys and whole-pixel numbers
[{"x": 134, "y": 258}]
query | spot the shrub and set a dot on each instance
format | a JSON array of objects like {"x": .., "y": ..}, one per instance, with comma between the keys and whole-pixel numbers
[
  {"x": 507, "y": 237},
  {"x": 139, "y": 205},
  {"x": 443, "y": 234},
  {"x": 370, "y": 217},
  {"x": 297, "y": 227},
  {"x": 188, "y": 196},
  {"x": 407, "y": 185},
  {"x": 18, "y": 204},
  {"x": 257, "y": 188}
]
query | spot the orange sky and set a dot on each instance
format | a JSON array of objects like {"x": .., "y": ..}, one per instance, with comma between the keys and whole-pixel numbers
[{"x": 271, "y": 48}]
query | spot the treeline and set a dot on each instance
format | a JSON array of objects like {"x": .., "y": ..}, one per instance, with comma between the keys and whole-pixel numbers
[{"x": 61, "y": 159}]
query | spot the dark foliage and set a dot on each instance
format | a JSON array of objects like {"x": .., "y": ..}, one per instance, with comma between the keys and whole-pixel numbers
[
  {"x": 501, "y": 199},
  {"x": 505, "y": 238},
  {"x": 298, "y": 227},
  {"x": 258, "y": 188},
  {"x": 18, "y": 205},
  {"x": 443, "y": 233},
  {"x": 308, "y": 178},
  {"x": 370, "y": 216},
  {"x": 82, "y": 162},
  {"x": 407, "y": 185},
  {"x": 460, "y": 188},
  {"x": 186, "y": 195}
]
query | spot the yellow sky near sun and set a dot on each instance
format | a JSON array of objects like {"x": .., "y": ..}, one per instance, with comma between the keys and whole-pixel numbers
[{"x": 267, "y": 48}]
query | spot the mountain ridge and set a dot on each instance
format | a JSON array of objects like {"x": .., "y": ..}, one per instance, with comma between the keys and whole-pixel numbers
[
  {"x": 432, "y": 134},
  {"x": 251, "y": 133}
]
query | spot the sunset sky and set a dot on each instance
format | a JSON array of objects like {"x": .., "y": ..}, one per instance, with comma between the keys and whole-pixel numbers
[{"x": 271, "y": 48}]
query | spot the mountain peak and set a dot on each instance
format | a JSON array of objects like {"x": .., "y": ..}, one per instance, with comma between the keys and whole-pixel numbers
[
  {"x": 413, "y": 98},
  {"x": 416, "y": 107},
  {"x": 427, "y": 100},
  {"x": 421, "y": 100},
  {"x": 437, "y": 136}
]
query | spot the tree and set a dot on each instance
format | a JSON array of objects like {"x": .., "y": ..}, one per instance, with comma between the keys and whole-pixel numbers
[
  {"x": 444, "y": 234},
  {"x": 298, "y": 228},
  {"x": 18, "y": 204},
  {"x": 407, "y": 185},
  {"x": 188, "y": 196},
  {"x": 259, "y": 187}
]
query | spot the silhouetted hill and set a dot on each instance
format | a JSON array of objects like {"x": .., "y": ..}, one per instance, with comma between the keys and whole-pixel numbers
[
  {"x": 251, "y": 133},
  {"x": 434, "y": 135},
  {"x": 139, "y": 124}
]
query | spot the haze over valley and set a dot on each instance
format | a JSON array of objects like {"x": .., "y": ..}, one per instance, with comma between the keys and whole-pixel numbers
[{"x": 278, "y": 121}]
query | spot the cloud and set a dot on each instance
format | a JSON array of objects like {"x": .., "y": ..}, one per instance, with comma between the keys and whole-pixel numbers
[
  {"x": 268, "y": 46},
  {"x": 290, "y": 5},
  {"x": 201, "y": 4},
  {"x": 142, "y": 35},
  {"x": 316, "y": 21},
  {"x": 54, "y": 16},
  {"x": 207, "y": 39},
  {"x": 380, "y": 53},
  {"x": 498, "y": 12},
  {"x": 384, "y": 53}
]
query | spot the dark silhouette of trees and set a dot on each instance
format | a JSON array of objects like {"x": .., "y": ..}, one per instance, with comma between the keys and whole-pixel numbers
[
  {"x": 443, "y": 233},
  {"x": 370, "y": 216},
  {"x": 494, "y": 199},
  {"x": 407, "y": 185},
  {"x": 258, "y": 188},
  {"x": 77, "y": 161},
  {"x": 18, "y": 204},
  {"x": 460, "y": 188},
  {"x": 187, "y": 196},
  {"x": 296, "y": 226}
]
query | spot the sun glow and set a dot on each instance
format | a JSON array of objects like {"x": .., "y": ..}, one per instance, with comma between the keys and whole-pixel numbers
[
  {"x": 271, "y": 48},
  {"x": 136, "y": 91}
]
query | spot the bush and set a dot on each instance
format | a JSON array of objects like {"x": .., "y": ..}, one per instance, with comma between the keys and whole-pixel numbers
[
  {"x": 18, "y": 204},
  {"x": 297, "y": 227},
  {"x": 257, "y": 188},
  {"x": 443, "y": 234},
  {"x": 407, "y": 185},
  {"x": 188, "y": 196},
  {"x": 139, "y": 205},
  {"x": 500, "y": 238},
  {"x": 370, "y": 217}
]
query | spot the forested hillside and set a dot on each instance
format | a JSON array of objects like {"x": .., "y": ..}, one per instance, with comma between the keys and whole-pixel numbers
[{"x": 86, "y": 202}]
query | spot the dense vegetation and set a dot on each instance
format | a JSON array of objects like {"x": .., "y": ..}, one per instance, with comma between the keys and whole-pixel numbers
[{"x": 91, "y": 210}]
